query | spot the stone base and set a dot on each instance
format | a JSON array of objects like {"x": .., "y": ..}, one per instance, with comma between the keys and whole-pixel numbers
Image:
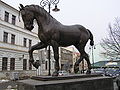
[
  {"x": 76, "y": 76},
  {"x": 86, "y": 83}
]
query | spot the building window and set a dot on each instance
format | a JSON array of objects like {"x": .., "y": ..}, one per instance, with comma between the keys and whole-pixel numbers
[
  {"x": 6, "y": 18},
  {"x": 30, "y": 43},
  {"x": 45, "y": 65},
  {"x": 30, "y": 65},
  {"x": 12, "y": 39},
  {"x": 13, "y": 19},
  {"x": 24, "y": 42},
  {"x": 12, "y": 64},
  {"x": 4, "y": 63},
  {"x": 24, "y": 64},
  {"x": 5, "y": 37}
]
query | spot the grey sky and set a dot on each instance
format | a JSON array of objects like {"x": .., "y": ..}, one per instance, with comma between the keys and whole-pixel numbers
[{"x": 93, "y": 14}]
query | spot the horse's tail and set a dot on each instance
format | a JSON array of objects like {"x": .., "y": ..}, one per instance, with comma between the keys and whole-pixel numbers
[{"x": 91, "y": 38}]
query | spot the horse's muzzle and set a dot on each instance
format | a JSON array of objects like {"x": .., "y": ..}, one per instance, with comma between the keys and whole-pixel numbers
[{"x": 29, "y": 27}]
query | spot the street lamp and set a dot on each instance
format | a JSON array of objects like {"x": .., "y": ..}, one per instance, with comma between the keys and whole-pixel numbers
[
  {"x": 48, "y": 3},
  {"x": 44, "y": 3},
  {"x": 92, "y": 49},
  {"x": 93, "y": 56}
]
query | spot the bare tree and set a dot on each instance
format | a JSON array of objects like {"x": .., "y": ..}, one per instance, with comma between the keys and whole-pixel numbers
[{"x": 111, "y": 44}]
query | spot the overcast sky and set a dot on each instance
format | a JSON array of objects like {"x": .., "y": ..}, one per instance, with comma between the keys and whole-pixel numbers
[{"x": 93, "y": 14}]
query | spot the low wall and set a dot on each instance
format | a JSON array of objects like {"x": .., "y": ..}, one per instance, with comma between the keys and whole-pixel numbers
[{"x": 16, "y": 74}]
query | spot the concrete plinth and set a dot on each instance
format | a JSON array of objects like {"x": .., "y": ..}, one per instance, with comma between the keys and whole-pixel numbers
[{"x": 86, "y": 83}]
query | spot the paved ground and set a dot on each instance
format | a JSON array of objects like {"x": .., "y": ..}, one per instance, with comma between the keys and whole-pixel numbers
[{"x": 3, "y": 86}]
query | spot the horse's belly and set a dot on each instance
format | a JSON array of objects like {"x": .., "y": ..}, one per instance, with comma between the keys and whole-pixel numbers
[
  {"x": 69, "y": 38},
  {"x": 64, "y": 44},
  {"x": 68, "y": 42}
]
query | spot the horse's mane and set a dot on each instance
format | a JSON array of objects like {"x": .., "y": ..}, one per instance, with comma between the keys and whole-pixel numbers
[{"x": 37, "y": 8}]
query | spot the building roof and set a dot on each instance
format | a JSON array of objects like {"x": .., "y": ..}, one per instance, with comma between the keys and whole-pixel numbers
[
  {"x": 8, "y": 5},
  {"x": 107, "y": 63},
  {"x": 100, "y": 63},
  {"x": 111, "y": 63}
]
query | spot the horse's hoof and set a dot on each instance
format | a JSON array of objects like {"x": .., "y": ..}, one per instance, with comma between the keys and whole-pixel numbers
[
  {"x": 36, "y": 64},
  {"x": 88, "y": 72},
  {"x": 55, "y": 73}
]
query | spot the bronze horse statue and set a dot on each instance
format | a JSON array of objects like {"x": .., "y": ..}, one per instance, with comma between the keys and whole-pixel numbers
[{"x": 53, "y": 33}]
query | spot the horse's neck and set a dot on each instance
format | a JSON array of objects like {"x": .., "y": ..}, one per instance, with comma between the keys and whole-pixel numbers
[
  {"x": 45, "y": 24},
  {"x": 40, "y": 24}
]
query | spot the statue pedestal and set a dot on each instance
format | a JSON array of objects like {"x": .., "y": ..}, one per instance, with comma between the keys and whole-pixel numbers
[{"x": 74, "y": 82}]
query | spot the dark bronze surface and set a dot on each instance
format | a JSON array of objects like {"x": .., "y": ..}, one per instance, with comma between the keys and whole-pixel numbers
[{"x": 53, "y": 33}]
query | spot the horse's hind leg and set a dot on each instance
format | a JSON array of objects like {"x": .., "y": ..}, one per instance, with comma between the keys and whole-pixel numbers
[
  {"x": 76, "y": 65},
  {"x": 80, "y": 48},
  {"x": 55, "y": 47},
  {"x": 83, "y": 55},
  {"x": 37, "y": 46},
  {"x": 88, "y": 62}
]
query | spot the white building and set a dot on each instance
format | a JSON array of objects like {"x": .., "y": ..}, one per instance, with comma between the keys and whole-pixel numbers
[{"x": 15, "y": 42}]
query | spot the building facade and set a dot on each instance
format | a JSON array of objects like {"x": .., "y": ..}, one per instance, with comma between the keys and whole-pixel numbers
[
  {"x": 15, "y": 42},
  {"x": 66, "y": 59}
]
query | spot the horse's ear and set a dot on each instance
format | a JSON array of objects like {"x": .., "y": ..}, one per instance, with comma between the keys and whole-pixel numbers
[{"x": 21, "y": 7}]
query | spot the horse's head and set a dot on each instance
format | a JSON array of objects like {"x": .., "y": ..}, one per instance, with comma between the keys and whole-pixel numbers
[{"x": 27, "y": 16}]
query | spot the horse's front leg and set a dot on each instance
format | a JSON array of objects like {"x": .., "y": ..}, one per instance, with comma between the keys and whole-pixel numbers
[
  {"x": 37, "y": 46},
  {"x": 55, "y": 47}
]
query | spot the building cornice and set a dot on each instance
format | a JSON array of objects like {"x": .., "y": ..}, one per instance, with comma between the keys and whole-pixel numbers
[
  {"x": 15, "y": 50},
  {"x": 13, "y": 44},
  {"x": 9, "y": 5}
]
